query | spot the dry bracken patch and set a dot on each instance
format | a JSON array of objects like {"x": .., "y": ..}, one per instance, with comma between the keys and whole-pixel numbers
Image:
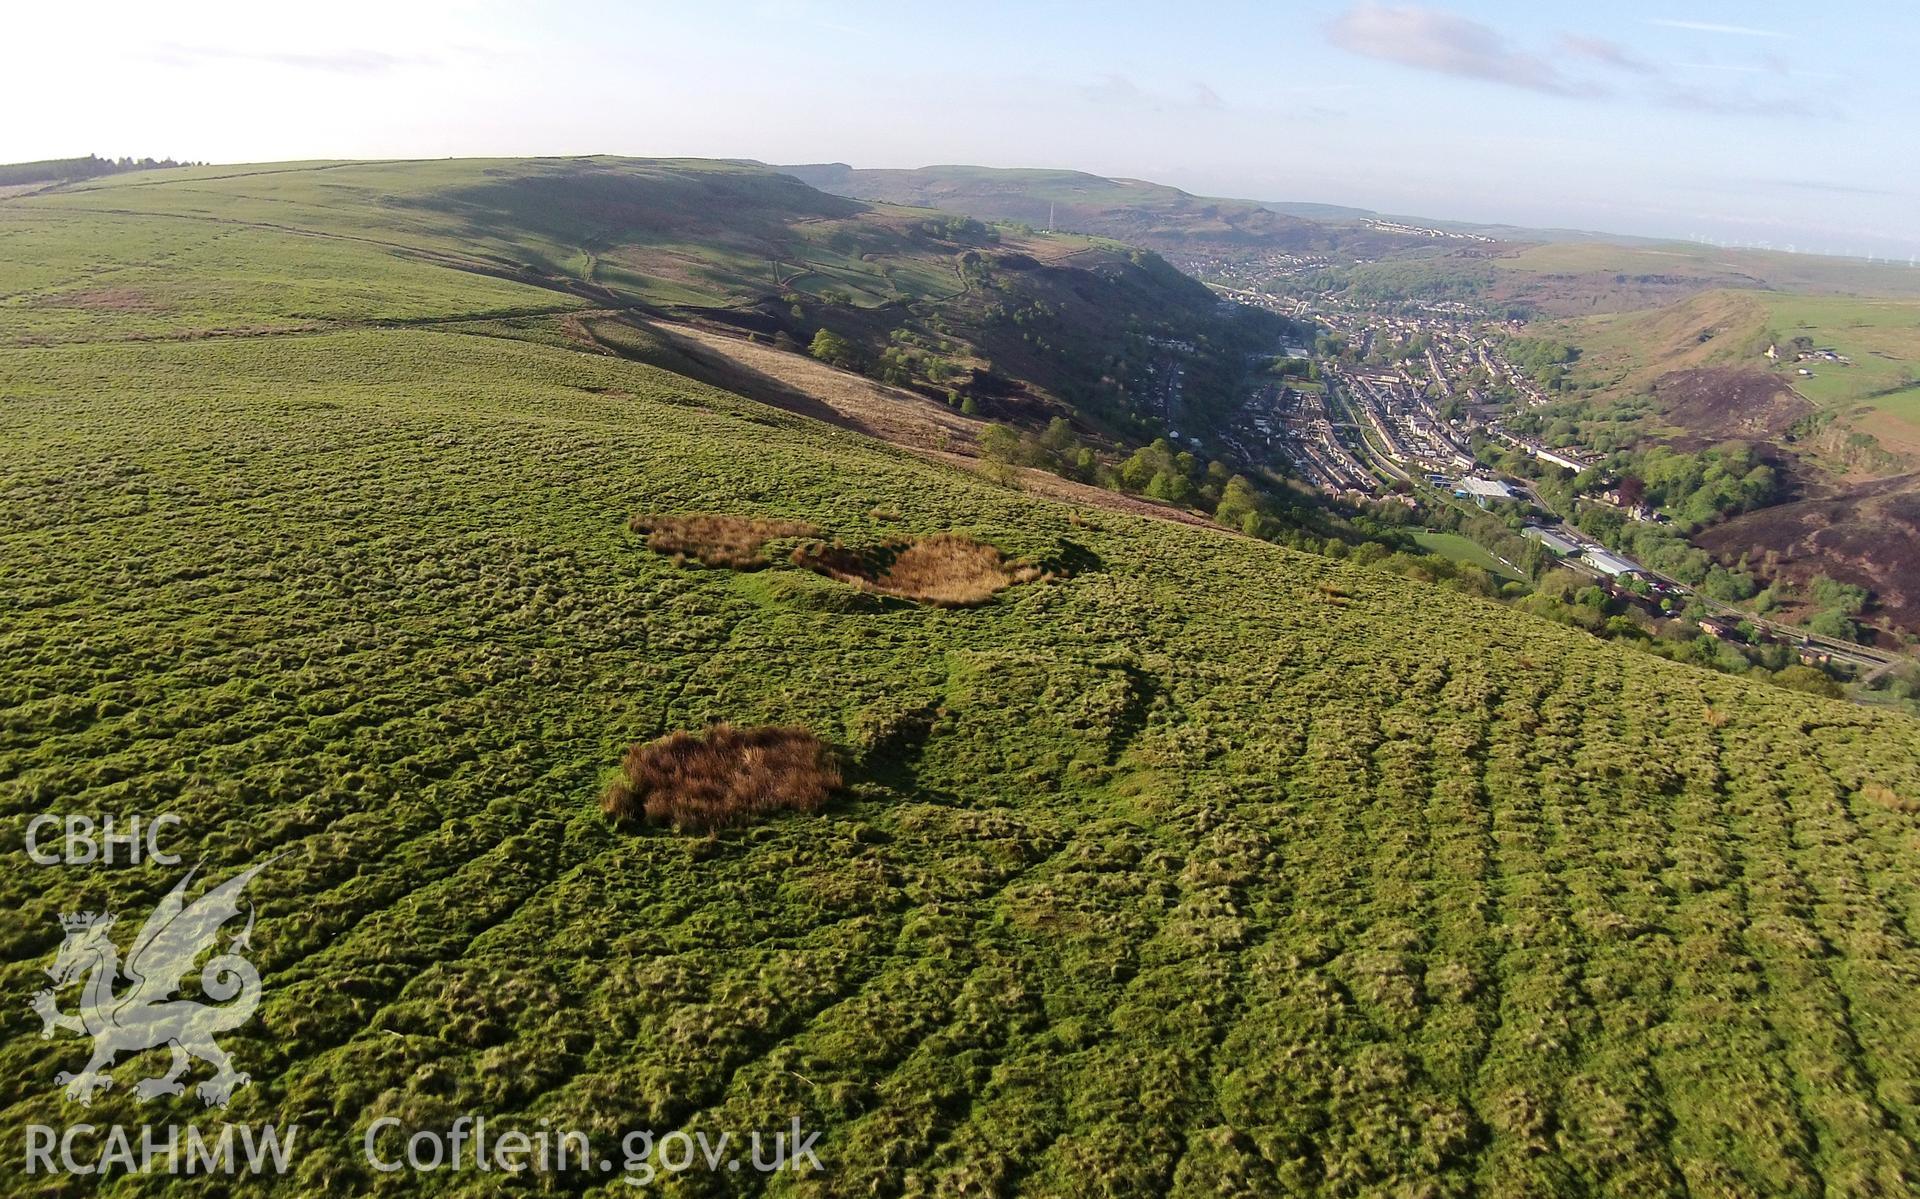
[
  {"x": 946, "y": 570},
  {"x": 728, "y": 777},
  {"x": 716, "y": 540},
  {"x": 1887, "y": 797}
]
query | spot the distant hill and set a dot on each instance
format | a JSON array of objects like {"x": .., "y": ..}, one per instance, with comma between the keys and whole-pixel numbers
[
  {"x": 1130, "y": 210},
  {"x": 1555, "y": 272},
  {"x": 1319, "y": 212}
]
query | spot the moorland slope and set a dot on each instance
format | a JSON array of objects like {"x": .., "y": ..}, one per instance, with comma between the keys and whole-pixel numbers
[
  {"x": 1184, "y": 865},
  {"x": 1025, "y": 325}
]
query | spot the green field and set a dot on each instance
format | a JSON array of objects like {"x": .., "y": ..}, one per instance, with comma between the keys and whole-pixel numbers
[
  {"x": 1199, "y": 867},
  {"x": 1038, "y": 324},
  {"x": 1882, "y": 337},
  {"x": 1903, "y": 406},
  {"x": 1455, "y": 548}
]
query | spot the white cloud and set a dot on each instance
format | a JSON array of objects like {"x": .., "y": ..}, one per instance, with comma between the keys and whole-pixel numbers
[
  {"x": 1432, "y": 40},
  {"x": 1121, "y": 91},
  {"x": 1715, "y": 27},
  {"x": 1606, "y": 53}
]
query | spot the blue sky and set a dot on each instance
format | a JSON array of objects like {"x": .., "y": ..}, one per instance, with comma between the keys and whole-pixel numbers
[{"x": 1788, "y": 125}]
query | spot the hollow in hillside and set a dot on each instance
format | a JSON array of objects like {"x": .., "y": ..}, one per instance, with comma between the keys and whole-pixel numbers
[{"x": 945, "y": 570}]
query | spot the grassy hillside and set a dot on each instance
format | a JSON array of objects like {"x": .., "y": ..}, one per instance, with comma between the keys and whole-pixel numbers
[
  {"x": 1031, "y": 325},
  {"x": 1195, "y": 867},
  {"x": 1877, "y": 390},
  {"x": 1596, "y": 277},
  {"x": 1624, "y": 353},
  {"x": 1711, "y": 266}
]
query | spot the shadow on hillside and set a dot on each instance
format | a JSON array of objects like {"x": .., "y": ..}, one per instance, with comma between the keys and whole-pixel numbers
[
  {"x": 661, "y": 348},
  {"x": 891, "y": 758}
]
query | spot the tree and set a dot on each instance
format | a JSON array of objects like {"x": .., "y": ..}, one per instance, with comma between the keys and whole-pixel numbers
[
  {"x": 834, "y": 350},
  {"x": 1058, "y": 439},
  {"x": 896, "y": 367},
  {"x": 1845, "y": 598},
  {"x": 1834, "y": 623},
  {"x": 1145, "y": 464},
  {"x": 1726, "y": 585},
  {"x": 1170, "y": 486},
  {"x": 1000, "y": 444},
  {"x": 1238, "y": 503},
  {"x": 1806, "y": 678}
]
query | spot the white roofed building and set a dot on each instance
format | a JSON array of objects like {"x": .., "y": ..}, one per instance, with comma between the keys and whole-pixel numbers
[{"x": 1485, "y": 489}]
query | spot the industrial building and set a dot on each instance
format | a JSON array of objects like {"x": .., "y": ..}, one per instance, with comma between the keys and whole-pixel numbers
[
  {"x": 1612, "y": 564},
  {"x": 1562, "y": 546}
]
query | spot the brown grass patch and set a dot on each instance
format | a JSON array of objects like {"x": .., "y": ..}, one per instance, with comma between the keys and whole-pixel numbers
[
  {"x": 1887, "y": 797},
  {"x": 99, "y": 299},
  {"x": 730, "y": 541},
  {"x": 946, "y": 570},
  {"x": 728, "y": 777}
]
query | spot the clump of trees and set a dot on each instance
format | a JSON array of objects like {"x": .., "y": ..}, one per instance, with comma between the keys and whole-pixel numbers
[
  {"x": 1838, "y": 605},
  {"x": 1703, "y": 486},
  {"x": 1572, "y": 599},
  {"x": 961, "y": 229},
  {"x": 835, "y": 350},
  {"x": 1269, "y": 509},
  {"x": 1386, "y": 283},
  {"x": 1544, "y": 359},
  {"x": 1157, "y": 471},
  {"x": 58, "y": 170}
]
